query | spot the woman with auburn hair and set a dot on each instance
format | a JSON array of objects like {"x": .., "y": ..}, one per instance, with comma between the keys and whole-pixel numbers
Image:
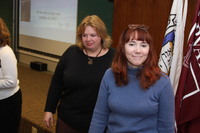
[
  {"x": 134, "y": 95},
  {"x": 10, "y": 93}
]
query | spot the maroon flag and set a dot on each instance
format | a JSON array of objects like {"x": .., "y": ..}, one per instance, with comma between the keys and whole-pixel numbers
[{"x": 187, "y": 99}]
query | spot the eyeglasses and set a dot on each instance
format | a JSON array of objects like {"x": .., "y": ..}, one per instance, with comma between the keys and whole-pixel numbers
[{"x": 137, "y": 26}]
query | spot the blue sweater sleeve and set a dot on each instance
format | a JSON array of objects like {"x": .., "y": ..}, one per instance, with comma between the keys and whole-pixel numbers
[
  {"x": 101, "y": 111},
  {"x": 166, "y": 112}
]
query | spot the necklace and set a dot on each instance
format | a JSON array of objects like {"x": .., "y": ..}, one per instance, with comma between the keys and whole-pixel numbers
[{"x": 90, "y": 60}]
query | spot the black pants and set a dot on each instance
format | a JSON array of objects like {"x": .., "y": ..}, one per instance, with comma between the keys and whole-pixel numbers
[
  {"x": 62, "y": 127},
  {"x": 10, "y": 113}
]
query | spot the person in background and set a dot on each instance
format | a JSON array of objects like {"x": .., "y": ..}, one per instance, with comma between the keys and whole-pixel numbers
[
  {"x": 10, "y": 93},
  {"x": 75, "y": 83},
  {"x": 134, "y": 95}
]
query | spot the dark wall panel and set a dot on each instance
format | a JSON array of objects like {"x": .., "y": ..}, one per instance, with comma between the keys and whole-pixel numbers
[
  {"x": 102, "y": 8},
  {"x": 6, "y": 12}
]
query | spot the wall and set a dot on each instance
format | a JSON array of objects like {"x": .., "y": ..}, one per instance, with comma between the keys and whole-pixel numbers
[
  {"x": 153, "y": 13},
  {"x": 102, "y": 8}
]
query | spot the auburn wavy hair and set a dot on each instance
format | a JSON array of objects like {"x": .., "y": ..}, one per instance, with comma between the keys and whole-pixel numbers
[
  {"x": 150, "y": 71},
  {"x": 4, "y": 34}
]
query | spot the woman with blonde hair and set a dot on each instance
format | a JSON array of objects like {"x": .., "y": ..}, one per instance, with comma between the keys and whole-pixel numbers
[{"x": 75, "y": 83}]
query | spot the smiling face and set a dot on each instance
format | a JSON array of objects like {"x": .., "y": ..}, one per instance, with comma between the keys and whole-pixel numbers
[
  {"x": 136, "y": 52},
  {"x": 90, "y": 39}
]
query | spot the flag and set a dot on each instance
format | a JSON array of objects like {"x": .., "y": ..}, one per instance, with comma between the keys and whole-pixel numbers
[
  {"x": 187, "y": 98},
  {"x": 171, "y": 55}
]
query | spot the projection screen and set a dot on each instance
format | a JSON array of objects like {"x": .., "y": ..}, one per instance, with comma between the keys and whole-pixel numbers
[{"x": 47, "y": 26}]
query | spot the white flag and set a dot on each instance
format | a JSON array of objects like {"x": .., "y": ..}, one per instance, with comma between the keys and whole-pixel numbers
[{"x": 171, "y": 56}]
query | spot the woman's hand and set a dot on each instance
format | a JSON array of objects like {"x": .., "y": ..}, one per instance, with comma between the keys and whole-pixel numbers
[{"x": 48, "y": 119}]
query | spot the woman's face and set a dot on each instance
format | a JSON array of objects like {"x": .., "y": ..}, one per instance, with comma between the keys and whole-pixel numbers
[
  {"x": 91, "y": 40},
  {"x": 136, "y": 52}
]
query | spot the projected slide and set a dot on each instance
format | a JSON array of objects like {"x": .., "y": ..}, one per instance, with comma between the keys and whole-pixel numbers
[{"x": 54, "y": 20}]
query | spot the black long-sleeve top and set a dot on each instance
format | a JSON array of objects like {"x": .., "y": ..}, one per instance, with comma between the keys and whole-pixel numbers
[{"x": 74, "y": 86}]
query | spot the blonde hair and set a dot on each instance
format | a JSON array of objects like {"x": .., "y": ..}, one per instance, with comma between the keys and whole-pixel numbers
[
  {"x": 4, "y": 34},
  {"x": 99, "y": 26}
]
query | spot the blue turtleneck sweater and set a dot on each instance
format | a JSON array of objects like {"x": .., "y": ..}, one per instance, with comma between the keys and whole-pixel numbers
[{"x": 131, "y": 109}]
